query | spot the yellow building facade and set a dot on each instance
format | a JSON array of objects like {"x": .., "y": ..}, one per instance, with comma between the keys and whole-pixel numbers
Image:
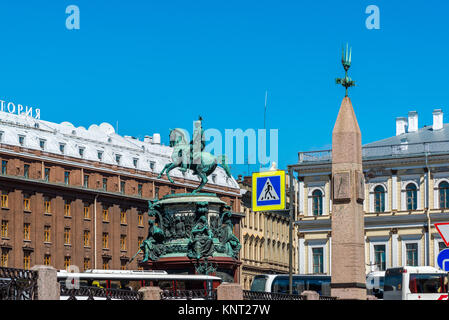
[
  {"x": 265, "y": 240},
  {"x": 406, "y": 193}
]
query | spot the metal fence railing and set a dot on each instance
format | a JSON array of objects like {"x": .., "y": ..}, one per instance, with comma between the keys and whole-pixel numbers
[
  {"x": 96, "y": 293},
  {"x": 17, "y": 284},
  {"x": 189, "y": 295},
  {"x": 373, "y": 152},
  {"x": 254, "y": 295}
]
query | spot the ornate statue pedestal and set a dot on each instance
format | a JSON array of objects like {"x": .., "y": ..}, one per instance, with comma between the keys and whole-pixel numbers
[{"x": 191, "y": 233}]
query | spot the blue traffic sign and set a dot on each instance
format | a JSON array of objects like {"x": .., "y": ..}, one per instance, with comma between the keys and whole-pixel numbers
[
  {"x": 268, "y": 190},
  {"x": 443, "y": 259}
]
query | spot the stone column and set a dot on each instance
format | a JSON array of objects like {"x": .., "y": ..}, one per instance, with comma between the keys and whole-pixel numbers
[
  {"x": 229, "y": 291},
  {"x": 348, "y": 249},
  {"x": 151, "y": 293},
  {"x": 47, "y": 283}
]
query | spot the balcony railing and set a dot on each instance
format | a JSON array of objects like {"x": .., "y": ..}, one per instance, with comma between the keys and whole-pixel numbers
[{"x": 388, "y": 151}]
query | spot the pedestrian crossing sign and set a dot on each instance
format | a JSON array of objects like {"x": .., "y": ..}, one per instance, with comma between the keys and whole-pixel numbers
[{"x": 268, "y": 190}]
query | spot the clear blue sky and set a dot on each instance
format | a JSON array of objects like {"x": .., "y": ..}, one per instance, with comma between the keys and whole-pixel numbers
[{"x": 155, "y": 65}]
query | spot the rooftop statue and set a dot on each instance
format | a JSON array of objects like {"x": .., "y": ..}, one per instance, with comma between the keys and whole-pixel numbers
[{"x": 191, "y": 155}]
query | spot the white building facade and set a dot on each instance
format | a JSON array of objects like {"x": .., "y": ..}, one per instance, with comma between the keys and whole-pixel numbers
[{"x": 406, "y": 193}]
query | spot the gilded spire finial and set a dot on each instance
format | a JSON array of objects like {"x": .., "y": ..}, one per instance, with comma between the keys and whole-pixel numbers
[{"x": 346, "y": 62}]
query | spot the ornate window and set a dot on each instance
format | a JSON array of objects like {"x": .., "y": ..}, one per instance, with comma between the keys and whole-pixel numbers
[
  {"x": 47, "y": 205},
  {"x": 379, "y": 199},
  {"x": 86, "y": 238},
  {"x": 26, "y": 260},
  {"x": 379, "y": 256},
  {"x": 411, "y": 194},
  {"x": 317, "y": 203},
  {"x": 67, "y": 208},
  {"x": 4, "y": 199},
  {"x": 26, "y": 231},
  {"x": 444, "y": 194},
  {"x": 317, "y": 256},
  {"x": 67, "y": 237},
  {"x": 47, "y": 234}
]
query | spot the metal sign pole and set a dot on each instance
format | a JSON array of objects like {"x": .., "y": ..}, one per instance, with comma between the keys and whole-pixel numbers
[{"x": 290, "y": 233}]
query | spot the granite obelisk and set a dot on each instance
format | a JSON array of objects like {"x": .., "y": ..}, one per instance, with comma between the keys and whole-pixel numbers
[{"x": 348, "y": 279}]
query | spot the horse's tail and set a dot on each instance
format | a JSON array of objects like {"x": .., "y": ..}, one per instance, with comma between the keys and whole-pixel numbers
[{"x": 225, "y": 166}]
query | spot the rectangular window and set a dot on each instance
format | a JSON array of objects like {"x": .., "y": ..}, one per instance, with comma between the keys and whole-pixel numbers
[
  {"x": 86, "y": 264},
  {"x": 122, "y": 187},
  {"x": 47, "y": 260},
  {"x": 105, "y": 184},
  {"x": 42, "y": 143},
  {"x": 4, "y": 167},
  {"x": 156, "y": 192},
  {"x": 117, "y": 158},
  {"x": 1, "y": 136},
  {"x": 317, "y": 256},
  {"x": 105, "y": 240},
  {"x": 379, "y": 256},
  {"x": 123, "y": 242},
  {"x": 67, "y": 237},
  {"x": 123, "y": 217},
  {"x": 105, "y": 264},
  {"x": 152, "y": 165},
  {"x": 26, "y": 202},
  {"x": 67, "y": 212},
  {"x": 47, "y": 205},
  {"x": 47, "y": 174},
  {"x": 67, "y": 262},
  {"x": 135, "y": 162},
  {"x": 105, "y": 215},
  {"x": 139, "y": 189},
  {"x": 86, "y": 237},
  {"x": 100, "y": 155},
  {"x": 86, "y": 181},
  {"x": 62, "y": 147},
  {"x": 66, "y": 177},
  {"x": 26, "y": 231},
  {"x": 81, "y": 152},
  {"x": 26, "y": 260},
  {"x": 4, "y": 199},
  {"x": 5, "y": 226},
  {"x": 47, "y": 234},
  {"x": 140, "y": 219},
  {"x": 86, "y": 211},
  {"x": 26, "y": 170},
  {"x": 411, "y": 254},
  {"x": 4, "y": 258},
  {"x": 21, "y": 140}
]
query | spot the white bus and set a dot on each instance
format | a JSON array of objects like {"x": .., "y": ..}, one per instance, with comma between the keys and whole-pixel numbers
[
  {"x": 133, "y": 280},
  {"x": 279, "y": 283},
  {"x": 415, "y": 283}
]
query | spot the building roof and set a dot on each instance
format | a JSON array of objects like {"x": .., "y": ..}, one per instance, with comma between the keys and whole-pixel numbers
[
  {"x": 124, "y": 151},
  {"x": 425, "y": 134}
]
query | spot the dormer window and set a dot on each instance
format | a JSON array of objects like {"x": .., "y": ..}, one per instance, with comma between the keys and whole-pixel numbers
[
  {"x": 135, "y": 161},
  {"x": 81, "y": 152},
  {"x": 152, "y": 164},
  {"x": 21, "y": 140},
  {"x": 42, "y": 143},
  {"x": 62, "y": 147},
  {"x": 100, "y": 155},
  {"x": 117, "y": 158}
]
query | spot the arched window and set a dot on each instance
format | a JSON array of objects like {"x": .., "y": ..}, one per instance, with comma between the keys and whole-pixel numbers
[
  {"x": 411, "y": 194},
  {"x": 444, "y": 195},
  {"x": 317, "y": 202},
  {"x": 379, "y": 199}
]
